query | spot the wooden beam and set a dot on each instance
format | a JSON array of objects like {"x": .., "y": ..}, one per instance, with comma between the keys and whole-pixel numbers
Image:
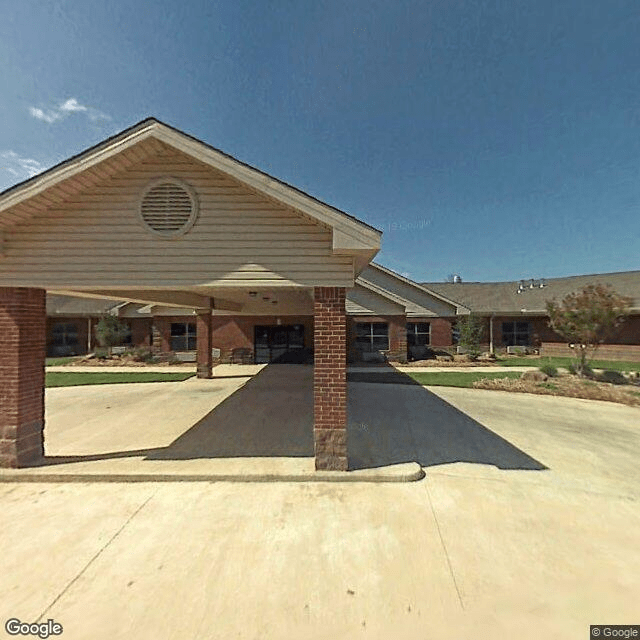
[{"x": 177, "y": 299}]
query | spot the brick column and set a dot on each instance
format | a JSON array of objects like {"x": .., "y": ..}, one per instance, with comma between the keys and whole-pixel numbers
[
  {"x": 330, "y": 379},
  {"x": 22, "y": 353},
  {"x": 203, "y": 334},
  {"x": 397, "y": 339}
]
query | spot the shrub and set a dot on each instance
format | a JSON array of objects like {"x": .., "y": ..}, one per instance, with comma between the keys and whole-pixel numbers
[
  {"x": 142, "y": 354},
  {"x": 111, "y": 331},
  {"x": 587, "y": 372},
  {"x": 471, "y": 330},
  {"x": 613, "y": 377},
  {"x": 549, "y": 369}
]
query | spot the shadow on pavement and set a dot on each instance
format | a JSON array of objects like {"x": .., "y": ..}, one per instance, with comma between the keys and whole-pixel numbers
[{"x": 392, "y": 419}]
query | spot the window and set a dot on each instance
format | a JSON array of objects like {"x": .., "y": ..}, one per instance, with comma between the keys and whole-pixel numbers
[
  {"x": 64, "y": 339},
  {"x": 418, "y": 334},
  {"x": 372, "y": 336},
  {"x": 183, "y": 336},
  {"x": 126, "y": 338},
  {"x": 516, "y": 334},
  {"x": 64, "y": 334},
  {"x": 455, "y": 333},
  {"x": 418, "y": 340}
]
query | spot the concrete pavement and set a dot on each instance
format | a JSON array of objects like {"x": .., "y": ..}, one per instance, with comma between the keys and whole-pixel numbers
[{"x": 526, "y": 525}]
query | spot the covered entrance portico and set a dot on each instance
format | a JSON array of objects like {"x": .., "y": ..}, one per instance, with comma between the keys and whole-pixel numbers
[{"x": 155, "y": 216}]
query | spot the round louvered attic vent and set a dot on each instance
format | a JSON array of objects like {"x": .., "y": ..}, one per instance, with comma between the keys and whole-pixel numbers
[{"x": 168, "y": 207}]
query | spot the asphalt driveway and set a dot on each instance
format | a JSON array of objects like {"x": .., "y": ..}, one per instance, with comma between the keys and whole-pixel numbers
[{"x": 526, "y": 525}]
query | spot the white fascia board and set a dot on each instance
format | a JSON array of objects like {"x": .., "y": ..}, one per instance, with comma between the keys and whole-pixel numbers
[{"x": 72, "y": 167}]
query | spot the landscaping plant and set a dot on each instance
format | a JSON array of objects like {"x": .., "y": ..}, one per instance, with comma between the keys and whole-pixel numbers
[
  {"x": 587, "y": 318},
  {"x": 471, "y": 330},
  {"x": 111, "y": 332}
]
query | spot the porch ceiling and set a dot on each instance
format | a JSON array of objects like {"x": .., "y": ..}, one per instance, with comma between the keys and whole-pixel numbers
[{"x": 254, "y": 300}]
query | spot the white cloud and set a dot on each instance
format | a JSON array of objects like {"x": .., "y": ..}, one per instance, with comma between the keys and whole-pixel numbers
[
  {"x": 47, "y": 116},
  {"x": 72, "y": 105},
  {"x": 67, "y": 108},
  {"x": 19, "y": 167}
]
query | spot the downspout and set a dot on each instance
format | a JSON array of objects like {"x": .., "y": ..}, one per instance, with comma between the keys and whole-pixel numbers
[{"x": 89, "y": 334}]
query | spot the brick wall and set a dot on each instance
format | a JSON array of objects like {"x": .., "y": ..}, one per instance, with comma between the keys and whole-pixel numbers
[
  {"x": 140, "y": 331},
  {"x": 628, "y": 352},
  {"x": 233, "y": 332},
  {"x": 440, "y": 330},
  {"x": 161, "y": 328},
  {"x": 330, "y": 379},
  {"x": 23, "y": 347}
]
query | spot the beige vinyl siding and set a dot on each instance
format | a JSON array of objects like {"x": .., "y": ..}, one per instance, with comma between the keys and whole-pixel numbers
[
  {"x": 96, "y": 238},
  {"x": 359, "y": 301},
  {"x": 419, "y": 303}
]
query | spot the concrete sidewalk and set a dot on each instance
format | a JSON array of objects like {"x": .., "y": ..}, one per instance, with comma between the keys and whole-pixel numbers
[{"x": 526, "y": 526}]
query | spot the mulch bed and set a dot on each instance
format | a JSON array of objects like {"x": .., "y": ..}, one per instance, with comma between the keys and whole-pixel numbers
[{"x": 569, "y": 386}]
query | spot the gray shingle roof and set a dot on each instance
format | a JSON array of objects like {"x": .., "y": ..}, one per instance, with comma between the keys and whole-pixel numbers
[{"x": 503, "y": 297}]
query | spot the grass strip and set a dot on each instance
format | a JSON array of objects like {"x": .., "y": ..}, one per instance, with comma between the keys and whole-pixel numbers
[
  {"x": 613, "y": 365},
  {"x": 457, "y": 378},
  {"x": 74, "y": 379}
]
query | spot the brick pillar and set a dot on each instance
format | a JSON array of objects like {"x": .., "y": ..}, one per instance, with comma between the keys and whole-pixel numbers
[
  {"x": 203, "y": 334},
  {"x": 397, "y": 339},
  {"x": 22, "y": 352},
  {"x": 330, "y": 379}
]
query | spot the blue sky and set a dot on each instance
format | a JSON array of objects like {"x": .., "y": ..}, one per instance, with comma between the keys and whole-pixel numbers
[{"x": 494, "y": 139}]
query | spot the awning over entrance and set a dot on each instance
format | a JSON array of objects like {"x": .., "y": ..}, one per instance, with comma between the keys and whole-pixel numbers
[{"x": 153, "y": 215}]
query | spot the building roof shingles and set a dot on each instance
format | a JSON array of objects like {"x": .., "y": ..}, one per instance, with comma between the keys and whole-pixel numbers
[{"x": 503, "y": 297}]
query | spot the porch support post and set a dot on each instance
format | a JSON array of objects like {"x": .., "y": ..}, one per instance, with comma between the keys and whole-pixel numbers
[
  {"x": 22, "y": 356},
  {"x": 491, "y": 345},
  {"x": 203, "y": 342},
  {"x": 330, "y": 379}
]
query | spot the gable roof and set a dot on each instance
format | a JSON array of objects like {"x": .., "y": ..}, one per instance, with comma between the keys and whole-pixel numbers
[
  {"x": 421, "y": 287},
  {"x": 418, "y": 301},
  {"x": 503, "y": 297},
  {"x": 350, "y": 234}
]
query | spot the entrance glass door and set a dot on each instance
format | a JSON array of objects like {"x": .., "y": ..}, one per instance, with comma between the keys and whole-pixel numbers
[{"x": 273, "y": 342}]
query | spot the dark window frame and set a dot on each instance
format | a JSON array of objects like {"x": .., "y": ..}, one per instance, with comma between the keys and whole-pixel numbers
[
  {"x": 185, "y": 341},
  {"x": 414, "y": 332},
  {"x": 62, "y": 332},
  {"x": 516, "y": 333},
  {"x": 371, "y": 336}
]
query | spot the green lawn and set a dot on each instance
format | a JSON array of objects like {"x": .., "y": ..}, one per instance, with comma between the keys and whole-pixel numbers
[
  {"x": 56, "y": 362},
  {"x": 456, "y": 378},
  {"x": 74, "y": 379},
  {"x": 615, "y": 365}
]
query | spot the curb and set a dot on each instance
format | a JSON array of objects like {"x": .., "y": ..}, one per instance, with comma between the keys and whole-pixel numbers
[{"x": 410, "y": 472}]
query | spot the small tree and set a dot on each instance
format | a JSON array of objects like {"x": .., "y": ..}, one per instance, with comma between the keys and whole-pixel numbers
[
  {"x": 111, "y": 331},
  {"x": 587, "y": 318},
  {"x": 471, "y": 330}
]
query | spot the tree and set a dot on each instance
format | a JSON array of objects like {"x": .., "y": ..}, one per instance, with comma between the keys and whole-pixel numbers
[
  {"x": 587, "y": 318},
  {"x": 471, "y": 330},
  {"x": 111, "y": 331}
]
